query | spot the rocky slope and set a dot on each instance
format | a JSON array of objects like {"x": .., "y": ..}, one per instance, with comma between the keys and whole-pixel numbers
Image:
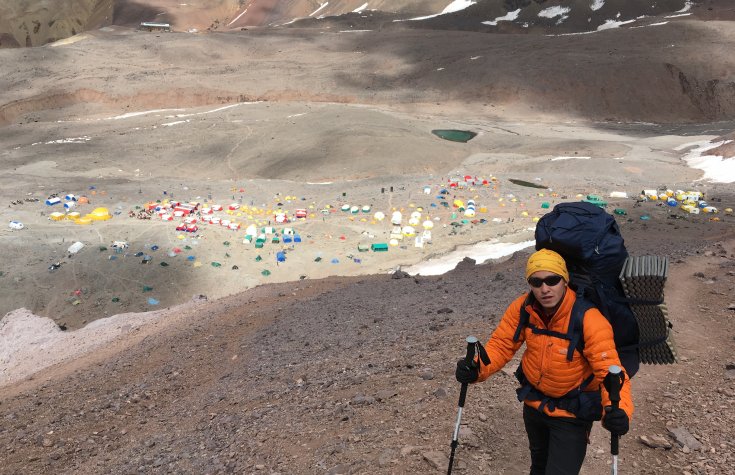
[{"x": 356, "y": 376}]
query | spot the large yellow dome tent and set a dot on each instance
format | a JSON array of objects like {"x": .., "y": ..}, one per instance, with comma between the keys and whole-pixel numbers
[{"x": 99, "y": 214}]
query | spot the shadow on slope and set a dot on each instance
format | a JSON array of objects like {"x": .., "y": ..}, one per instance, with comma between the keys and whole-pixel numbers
[
  {"x": 655, "y": 74},
  {"x": 131, "y": 13}
]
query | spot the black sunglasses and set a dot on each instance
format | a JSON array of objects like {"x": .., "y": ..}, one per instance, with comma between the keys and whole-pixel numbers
[{"x": 550, "y": 281}]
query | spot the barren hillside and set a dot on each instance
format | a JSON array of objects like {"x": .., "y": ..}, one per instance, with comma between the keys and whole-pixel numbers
[{"x": 163, "y": 336}]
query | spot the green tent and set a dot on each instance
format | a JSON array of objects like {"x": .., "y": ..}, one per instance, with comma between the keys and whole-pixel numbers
[{"x": 595, "y": 200}]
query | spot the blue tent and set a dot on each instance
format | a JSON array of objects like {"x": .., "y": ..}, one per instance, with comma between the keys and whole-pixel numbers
[{"x": 281, "y": 256}]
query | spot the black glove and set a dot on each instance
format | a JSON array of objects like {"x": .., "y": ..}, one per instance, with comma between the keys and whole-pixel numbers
[
  {"x": 616, "y": 421},
  {"x": 467, "y": 372}
]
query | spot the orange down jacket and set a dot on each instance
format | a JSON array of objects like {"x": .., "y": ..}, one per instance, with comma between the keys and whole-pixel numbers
[{"x": 545, "y": 361}]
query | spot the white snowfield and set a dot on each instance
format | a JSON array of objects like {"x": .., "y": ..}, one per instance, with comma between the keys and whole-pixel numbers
[
  {"x": 29, "y": 343},
  {"x": 480, "y": 252},
  {"x": 717, "y": 168}
]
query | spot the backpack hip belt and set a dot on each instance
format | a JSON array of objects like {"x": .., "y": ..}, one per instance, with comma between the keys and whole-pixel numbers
[{"x": 585, "y": 405}]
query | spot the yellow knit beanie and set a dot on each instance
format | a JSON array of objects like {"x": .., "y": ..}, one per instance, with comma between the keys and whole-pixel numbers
[{"x": 547, "y": 260}]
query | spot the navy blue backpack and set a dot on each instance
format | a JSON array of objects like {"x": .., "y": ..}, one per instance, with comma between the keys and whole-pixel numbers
[{"x": 589, "y": 239}]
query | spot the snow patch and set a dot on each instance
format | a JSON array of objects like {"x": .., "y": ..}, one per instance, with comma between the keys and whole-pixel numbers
[
  {"x": 480, "y": 252},
  {"x": 717, "y": 168},
  {"x": 82, "y": 139},
  {"x": 687, "y": 7},
  {"x": 553, "y": 12},
  {"x": 510, "y": 16},
  {"x": 596, "y": 5},
  {"x": 458, "y": 5},
  {"x": 609, "y": 24},
  {"x": 652, "y": 24},
  {"x": 169, "y": 124},
  {"x": 319, "y": 9},
  {"x": 215, "y": 110},
  {"x": 29, "y": 343},
  {"x": 360, "y": 8},
  {"x": 455, "y": 6},
  {"x": 238, "y": 16},
  {"x": 127, "y": 115}
]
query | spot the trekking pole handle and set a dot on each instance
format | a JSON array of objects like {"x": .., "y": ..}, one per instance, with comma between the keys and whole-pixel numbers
[
  {"x": 613, "y": 382},
  {"x": 469, "y": 358}
]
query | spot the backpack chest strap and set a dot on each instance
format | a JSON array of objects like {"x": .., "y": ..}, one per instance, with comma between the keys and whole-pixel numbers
[{"x": 574, "y": 334}]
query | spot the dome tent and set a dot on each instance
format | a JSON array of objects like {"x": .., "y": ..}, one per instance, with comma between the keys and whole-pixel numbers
[{"x": 99, "y": 214}]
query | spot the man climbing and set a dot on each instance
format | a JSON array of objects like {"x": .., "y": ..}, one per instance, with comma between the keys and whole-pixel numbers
[{"x": 561, "y": 395}]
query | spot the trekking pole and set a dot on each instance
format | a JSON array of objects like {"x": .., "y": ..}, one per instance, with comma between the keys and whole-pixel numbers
[
  {"x": 613, "y": 381},
  {"x": 471, "y": 345}
]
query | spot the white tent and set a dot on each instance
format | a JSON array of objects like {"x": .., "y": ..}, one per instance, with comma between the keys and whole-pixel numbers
[{"x": 76, "y": 247}]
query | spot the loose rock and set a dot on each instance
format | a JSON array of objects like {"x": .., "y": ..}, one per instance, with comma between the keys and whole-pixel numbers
[{"x": 655, "y": 441}]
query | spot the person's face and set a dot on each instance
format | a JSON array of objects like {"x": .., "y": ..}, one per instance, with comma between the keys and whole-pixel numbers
[{"x": 547, "y": 295}]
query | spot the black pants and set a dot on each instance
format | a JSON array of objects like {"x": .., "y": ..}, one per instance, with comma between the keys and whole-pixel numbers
[{"x": 558, "y": 444}]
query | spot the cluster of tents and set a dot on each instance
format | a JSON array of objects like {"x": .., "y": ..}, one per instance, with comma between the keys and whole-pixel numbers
[
  {"x": 692, "y": 202},
  {"x": 259, "y": 237},
  {"x": 417, "y": 226},
  {"x": 70, "y": 213}
]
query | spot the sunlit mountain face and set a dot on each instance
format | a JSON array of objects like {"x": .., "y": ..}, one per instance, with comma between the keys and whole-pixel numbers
[{"x": 37, "y": 22}]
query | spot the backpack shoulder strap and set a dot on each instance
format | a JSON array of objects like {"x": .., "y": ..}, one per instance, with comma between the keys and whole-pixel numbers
[
  {"x": 525, "y": 316},
  {"x": 575, "y": 331}
]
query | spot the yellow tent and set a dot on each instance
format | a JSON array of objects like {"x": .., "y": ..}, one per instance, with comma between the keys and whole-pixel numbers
[{"x": 99, "y": 214}]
